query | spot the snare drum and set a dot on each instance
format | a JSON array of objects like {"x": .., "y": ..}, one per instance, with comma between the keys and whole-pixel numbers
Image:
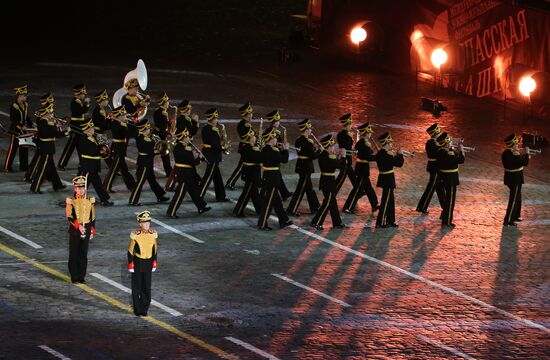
[{"x": 26, "y": 140}]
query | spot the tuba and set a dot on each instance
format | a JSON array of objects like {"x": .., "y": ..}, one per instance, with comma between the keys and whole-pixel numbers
[{"x": 139, "y": 73}]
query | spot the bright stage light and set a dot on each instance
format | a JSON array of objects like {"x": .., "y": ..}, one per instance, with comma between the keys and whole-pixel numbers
[
  {"x": 527, "y": 85},
  {"x": 358, "y": 34},
  {"x": 439, "y": 57}
]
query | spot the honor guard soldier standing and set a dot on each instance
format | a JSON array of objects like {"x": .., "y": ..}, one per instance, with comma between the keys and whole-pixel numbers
[
  {"x": 19, "y": 119},
  {"x": 212, "y": 149},
  {"x": 513, "y": 162},
  {"x": 45, "y": 100},
  {"x": 145, "y": 170},
  {"x": 328, "y": 163},
  {"x": 135, "y": 104},
  {"x": 80, "y": 212},
  {"x": 345, "y": 141},
  {"x": 362, "y": 186},
  {"x": 101, "y": 121},
  {"x": 90, "y": 161},
  {"x": 386, "y": 160},
  {"x": 304, "y": 167},
  {"x": 185, "y": 160},
  {"x": 119, "y": 131},
  {"x": 47, "y": 133},
  {"x": 162, "y": 125},
  {"x": 243, "y": 127},
  {"x": 142, "y": 261},
  {"x": 447, "y": 161},
  {"x": 434, "y": 183},
  {"x": 272, "y": 157},
  {"x": 251, "y": 157},
  {"x": 80, "y": 105}
]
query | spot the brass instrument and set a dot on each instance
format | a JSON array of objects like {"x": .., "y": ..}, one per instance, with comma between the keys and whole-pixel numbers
[
  {"x": 161, "y": 146},
  {"x": 259, "y": 138},
  {"x": 530, "y": 151},
  {"x": 201, "y": 155},
  {"x": 293, "y": 147},
  {"x": 284, "y": 133},
  {"x": 226, "y": 144},
  {"x": 351, "y": 152},
  {"x": 408, "y": 153},
  {"x": 375, "y": 145},
  {"x": 103, "y": 142},
  {"x": 316, "y": 140}
]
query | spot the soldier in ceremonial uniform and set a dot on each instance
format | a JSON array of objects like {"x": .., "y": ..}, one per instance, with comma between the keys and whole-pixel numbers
[
  {"x": 45, "y": 100},
  {"x": 80, "y": 212},
  {"x": 162, "y": 128},
  {"x": 386, "y": 160},
  {"x": 47, "y": 133},
  {"x": 435, "y": 181},
  {"x": 90, "y": 161},
  {"x": 243, "y": 127},
  {"x": 185, "y": 161},
  {"x": 448, "y": 159},
  {"x": 329, "y": 161},
  {"x": 272, "y": 157},
  {"x": 80, "y": 105},
  {"x": 365, "y": 155},
  {"x": 304, "y": 167},
  {"x": 212, "y": 149},
  {"x": 135, "y": 104},
  {"x": 19, "y": 119},
  {"x": 119, "y": 131},
  {"x": 251, "y": 157},
  {"x": 145, "y": 170},
  {"x": 101, "y": 120},
  {"x": 345, "y": 141},
  {"x": 142, "y": 261},
  {"x": 513, "y": 162}
]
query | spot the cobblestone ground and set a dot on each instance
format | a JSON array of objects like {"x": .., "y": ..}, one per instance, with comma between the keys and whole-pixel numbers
[{"x": 416, "y": 292}]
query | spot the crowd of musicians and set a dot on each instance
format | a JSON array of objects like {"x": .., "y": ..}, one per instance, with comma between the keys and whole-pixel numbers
[{"x": 349, "y": 155}]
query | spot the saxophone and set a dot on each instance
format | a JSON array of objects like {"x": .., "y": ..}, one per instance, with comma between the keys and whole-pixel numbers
[{"x": 226, "y": 145}]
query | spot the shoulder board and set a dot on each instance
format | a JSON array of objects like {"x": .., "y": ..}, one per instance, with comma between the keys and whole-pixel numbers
[
  {"x": 69, "y": 201},
  {"x": 332, "y": 156},
  {"x": 215, "y": 128},
  {"x": 152, "y": 231},
  {"x": 277, "y": 131},
  {"x": 311, "y": 141},
  {"x": 516, "y": 153},
  {"x": 102, "y": 112},
  {"x": 136, "y": 232},
  {"x": 51, "y": 123},
  {"x": 255, "y": 148},
  {"x": 391, "y": 153},
  {"x": 15, "y": 106},
  {"x": 247, "y": 124},
  {"x": 164, "y": 112},
  {"x": 78, "y": 101},
  {"x": 275, "y": 148},
  {"x": 188, "y": 148},
  {"x": 450, "y": 152},
  {"x": 92, "y": 199},
  {"x": 147, "y": 138}
]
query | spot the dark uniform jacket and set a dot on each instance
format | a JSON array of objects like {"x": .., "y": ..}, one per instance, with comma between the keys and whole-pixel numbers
[
  {"x": 146, "y": 151},
  {"x": 19, "y": 116},
  {"x": 142, "y": 250},
  {"x": 448, "y": 161},
  {"x": 272, "y": 158},
  {"x": 131, "y": 104},
  {"x": 386, "y": 161},
  {"x": 99, "y": 117},
  {"x": 252, "y": 163},
  {"x": 328, "y": 163},
  {"x": 89, "y": 154},
  {"x": 161, "y": 123},
  {"x": 186, "y": 122},
  {"x": 78, "y": 110},
  {"x": 306, "y": 155},
  {"x": 185, "y": 162},
  {"x": 47, "y": 133},
  {"x": 211, "y": 140},
  {"x": 242, "y": 129},
  {"x": 513, "y": 163},
  {"x": 364, "y": 155},
  {"x": 345, "y": 140},
  {"x": 119, "y": 131},
  {"x": 431, "y": 152}
]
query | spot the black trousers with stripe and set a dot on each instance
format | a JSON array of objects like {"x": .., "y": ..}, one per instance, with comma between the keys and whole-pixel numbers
[
  {"x": 434, "y": 184},
  {"x": 185, "y": 186},
  {"x": 449, "y": 204},
  {"x": 250, "y": 191},
  {"x": 45, "y": 170},
  {"x": 118, "y": 162},
  {"x": 78, "y": 256},
  {"x": 10, "y": 156},
  {"x": 329, "y": 205},
  {"x": 513, "y": 211},
  {"x": 362, "y": 186},
  {"x": 271, "y": 201},
  {"x": 386, "y": 212},
  {"x": 145, "y": 173},
  {"x": 68, "y": 150},
  {"x": 236, "y": 174},
  {"x": 347, "y": 171},
  {"x": 141, "y": 291},
  {"x": 33, "y": 166},
  {"x": 305, "y": 186},
  {"x": 212, "y": 173}
]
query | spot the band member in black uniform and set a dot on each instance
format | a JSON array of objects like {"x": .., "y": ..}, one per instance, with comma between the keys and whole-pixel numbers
[
  {"x": 304, "y": 167},
  {"x": 90, "y": 161},
  {"x": 365, "y": 155},
  {"x": 45, "y": 100},
  {"x": 386, "y": 160},
  {"x": 135, "y": 104},
  {"x": 251, "y": 157},
  {"x": 142, "y": 261},
  {"x": 272, "y": 157},
  {"x": 345, "y": 141},
  {"x": 435, "y": 181},
  {"x": 100, "y": 118},
  {"x": 513, "y": 162},
  {"x": 80, "y": 105},
  {"x": 80, "y": 211},
  {"x": 448, "y": 159},
  {"x": 47, "y": 133},
  {"x": 243, "y": 127},
  {"x": 119, "y": 131},
  {"x": 274, "y": 118},
  {"x": 329, "y": 161},
  {"x": 212, "y": 149},
  {"x": 185, "y": 160},
  {"x": 145, "y": 163},
  {"x": 162, "y": 125},
  {"x": 19, "y": 119}
]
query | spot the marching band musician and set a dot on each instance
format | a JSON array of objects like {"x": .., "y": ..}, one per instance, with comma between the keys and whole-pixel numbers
[
  {"x": 434, "y": 183},
  {"x": 45, "y": 100},
  {"x": 243, "y": 127},
  {"x": 362, "y": 186},
  {"x": 448, "y": 160},
  {"x": 251, "y": 157},
  {"x": 329, "y": 161},
  {"x": 101, "y": 121},
  {"x": 142, "y": 261},
  {"x": 272, "y": 157},
  {"x": 274, "y": 118},
  {"x": 47, "y": 133},
  {"x": 90, "y": 161},
  {"x": 513, "y": 162},
  {"x": 345, "y": 141},
  {"x": 304, "y": 167},
  {"x": 386, "y": 160},
  {"x": 162, "y": 123},
  {"x": 80, "y": 105},
  {"x": 19, "y": 119},
  {"x": 134, "y": 104},
  {"x": 145, "y": 170},
  {"x": 80, "y": 211},
  {"x": 185, "y": 160},
  {"x": 212, "y": 149}
]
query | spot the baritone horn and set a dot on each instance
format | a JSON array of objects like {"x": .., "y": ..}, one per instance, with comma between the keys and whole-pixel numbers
[
  {"x": 161, "y": 146},
  {"x": 139, "y": 73}
]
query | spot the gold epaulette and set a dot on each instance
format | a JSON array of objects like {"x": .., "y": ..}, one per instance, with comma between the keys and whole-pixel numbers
[
  {"x": 450, "y": 152},
  {"x": 275, "y": 148},
  {"x": 147, "y": 138},
  {"x": 136, "y": 232},
  {"x": 188, "y": 148},
  {"x": 332, "y": 156},
  {"x": 69, "y": 201},
  {"x": 255, "y": 148},
  {"x": 311, "y": 141},
  {"x": 391, "y": 153},
  {"x": 78, "y": 101},
  {"x": 16, "y": 106},
  {"x": 247, "y": 125},
  {"x": 516, "y": 153},
  {"x": 152, "y": 231}
]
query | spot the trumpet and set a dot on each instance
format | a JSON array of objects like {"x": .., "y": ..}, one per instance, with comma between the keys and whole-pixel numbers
[
  {"x": 408, "y": 153},
  {"x": 530, "y": 151},
  {"x": 465, "y": 148},
  {"x": 293, "y": 147}
]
